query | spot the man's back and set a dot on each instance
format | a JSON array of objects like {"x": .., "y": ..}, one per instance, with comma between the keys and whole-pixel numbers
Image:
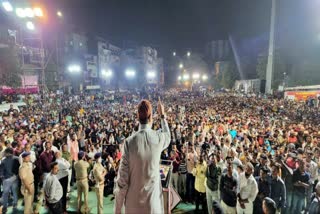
[
  {"x": 9, "y": 167},
  {"x": 139, "y": 174},
  {"x": 81, "y": 168}
]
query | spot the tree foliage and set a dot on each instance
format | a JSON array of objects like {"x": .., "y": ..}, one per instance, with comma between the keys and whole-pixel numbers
[
  {"x": 10, "y": 71},
  {"x": 226, "y": 75}
]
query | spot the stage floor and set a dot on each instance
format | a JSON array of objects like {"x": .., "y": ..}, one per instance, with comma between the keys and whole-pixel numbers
[{"x": 108, "y": 205}]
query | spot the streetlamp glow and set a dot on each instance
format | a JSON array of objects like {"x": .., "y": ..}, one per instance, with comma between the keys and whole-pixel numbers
[
  {"x": 107, "y": 73},
  {"x": 7, "y": 6},
  {"x": 174, "y": 53},
  {"x": 21, "y": 13},
  {"x": 30, "y": 25},
  {"x": 74, "y": 68},
  {"x": 130, "y": 73},
  {"x": 188, "y": 54},
  {"x": 29, "y": 12},
  {"x": 186, "y": 77},
  {"x": 181, "y": 65},
  {"x": 151, "y": 74},
  {"x": 38, "y": 11},
  {"x": 59, "y": 13},
  {"x": 179, "y": 78},
  {"x": 204, "y": 77},
  {"x": 195, "y": 76}
]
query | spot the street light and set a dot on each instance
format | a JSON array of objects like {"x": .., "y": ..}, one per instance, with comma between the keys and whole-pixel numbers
[
  {"x": 181, "y": 65},
  {"x": 174, "y": 53},
  {"x": 186, "y": 77},
  {"x": 38, "y": 11},
  {"x": 21, "y": 13},
  {"x": 179, "y": 78},
  {"x": 195, "y": 76},
  {"x": 30, "y": 25},
  {"x": 151, "y": 74},
  {"x": 188, "y": 54},
  {"x": 7, "y": 6},
  {"x": 130, "y": 73},
  {"x": 29, "y": 12},
  {"x": 74, "y": 68},
  {"x": 107, "y": 73},
  {"x": 204, "y": 77},
  {"x": 59, "y": 13}
]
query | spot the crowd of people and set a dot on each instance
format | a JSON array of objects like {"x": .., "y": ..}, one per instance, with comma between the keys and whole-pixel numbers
[{"x": 230, "y": 153}]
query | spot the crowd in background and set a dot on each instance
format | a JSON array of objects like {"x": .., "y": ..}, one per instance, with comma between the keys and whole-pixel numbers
[{"x": 242, "y": 154}]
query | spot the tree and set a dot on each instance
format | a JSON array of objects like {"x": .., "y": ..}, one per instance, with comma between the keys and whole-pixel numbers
[
  {"x": 226, "y": 75},
  {"x": 10, "y": 71},
  {"x": 51, "y": 75}
]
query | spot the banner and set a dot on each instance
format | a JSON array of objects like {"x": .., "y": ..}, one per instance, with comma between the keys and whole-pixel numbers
[{"x": 301, "y": 95}]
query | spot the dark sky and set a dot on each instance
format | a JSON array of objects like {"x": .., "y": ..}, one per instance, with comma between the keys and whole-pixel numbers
[
  {"x": 188, "y": 24},
  {"x": 169, "y": 24}
]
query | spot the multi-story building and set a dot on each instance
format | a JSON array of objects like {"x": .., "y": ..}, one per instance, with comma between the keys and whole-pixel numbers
[
  {"x": 75, "y": 52},
  {"x": 218, "y": 50},
  {"x": 108, "y": 62},
  {"x": 147, "y": 58}
]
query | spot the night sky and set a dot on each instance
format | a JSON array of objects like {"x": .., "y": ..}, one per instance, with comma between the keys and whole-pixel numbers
[
  {"x": 169, "y": 24},
  {"x": 189, "y": 24}
]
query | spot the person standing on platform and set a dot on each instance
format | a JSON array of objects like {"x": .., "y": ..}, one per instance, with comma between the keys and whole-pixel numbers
[
  {"x": 81, "y": 168},
  {"x": 138, "y": 182},
  {"x": 27, "y": 182},
  {"x": 99, "y": 173}
]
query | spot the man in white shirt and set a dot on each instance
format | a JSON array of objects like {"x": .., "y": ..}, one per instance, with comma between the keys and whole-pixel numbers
[
  {"x": 53, "y": 190},
  {"x": 141, "y": 158},
  {"x": 62, "y": 175},
  {"x": 191, "y": 161},
  {"x": 312, "y": 169},
  {"x": 247, "y": 192}
]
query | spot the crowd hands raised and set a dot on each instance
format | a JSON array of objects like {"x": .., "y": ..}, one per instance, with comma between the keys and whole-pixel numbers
[{"x": 230, "y": 153}]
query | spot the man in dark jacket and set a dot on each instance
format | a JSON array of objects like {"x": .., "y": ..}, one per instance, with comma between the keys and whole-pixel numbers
[
  {"x": 264, "y": 189},
  {"x": 9, "y": 170},
  {"x": 213, "y": 174},
  {"x": 228, "y": 191}
]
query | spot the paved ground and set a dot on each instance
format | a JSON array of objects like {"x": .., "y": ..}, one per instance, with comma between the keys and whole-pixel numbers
[{"x": 108, "y": 206}]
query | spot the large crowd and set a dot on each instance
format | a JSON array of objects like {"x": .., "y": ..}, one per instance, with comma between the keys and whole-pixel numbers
[{"x": 230, "y": 153}]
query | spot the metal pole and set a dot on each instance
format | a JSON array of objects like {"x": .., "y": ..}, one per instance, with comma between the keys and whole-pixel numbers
[
  {"x": 271, "y": 49},
  {"x": 57, "y": 60},
  {"x": 22, "y": 56},
  {"x": 43, "y": 78}
]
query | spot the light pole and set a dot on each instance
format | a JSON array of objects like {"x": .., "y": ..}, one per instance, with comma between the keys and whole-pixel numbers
[
  {"x": 271, "y": 49},
  {"x": 59, "y": 13},
  {"x": 284, "y": 79}
]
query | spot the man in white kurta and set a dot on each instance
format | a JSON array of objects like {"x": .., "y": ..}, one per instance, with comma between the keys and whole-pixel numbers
[
  {"x": 248, "y": 191},
  {"x": 138, "y": 184}
]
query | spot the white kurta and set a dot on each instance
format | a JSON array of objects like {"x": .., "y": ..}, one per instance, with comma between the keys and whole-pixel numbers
[{"x": 138, "y": 184}]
